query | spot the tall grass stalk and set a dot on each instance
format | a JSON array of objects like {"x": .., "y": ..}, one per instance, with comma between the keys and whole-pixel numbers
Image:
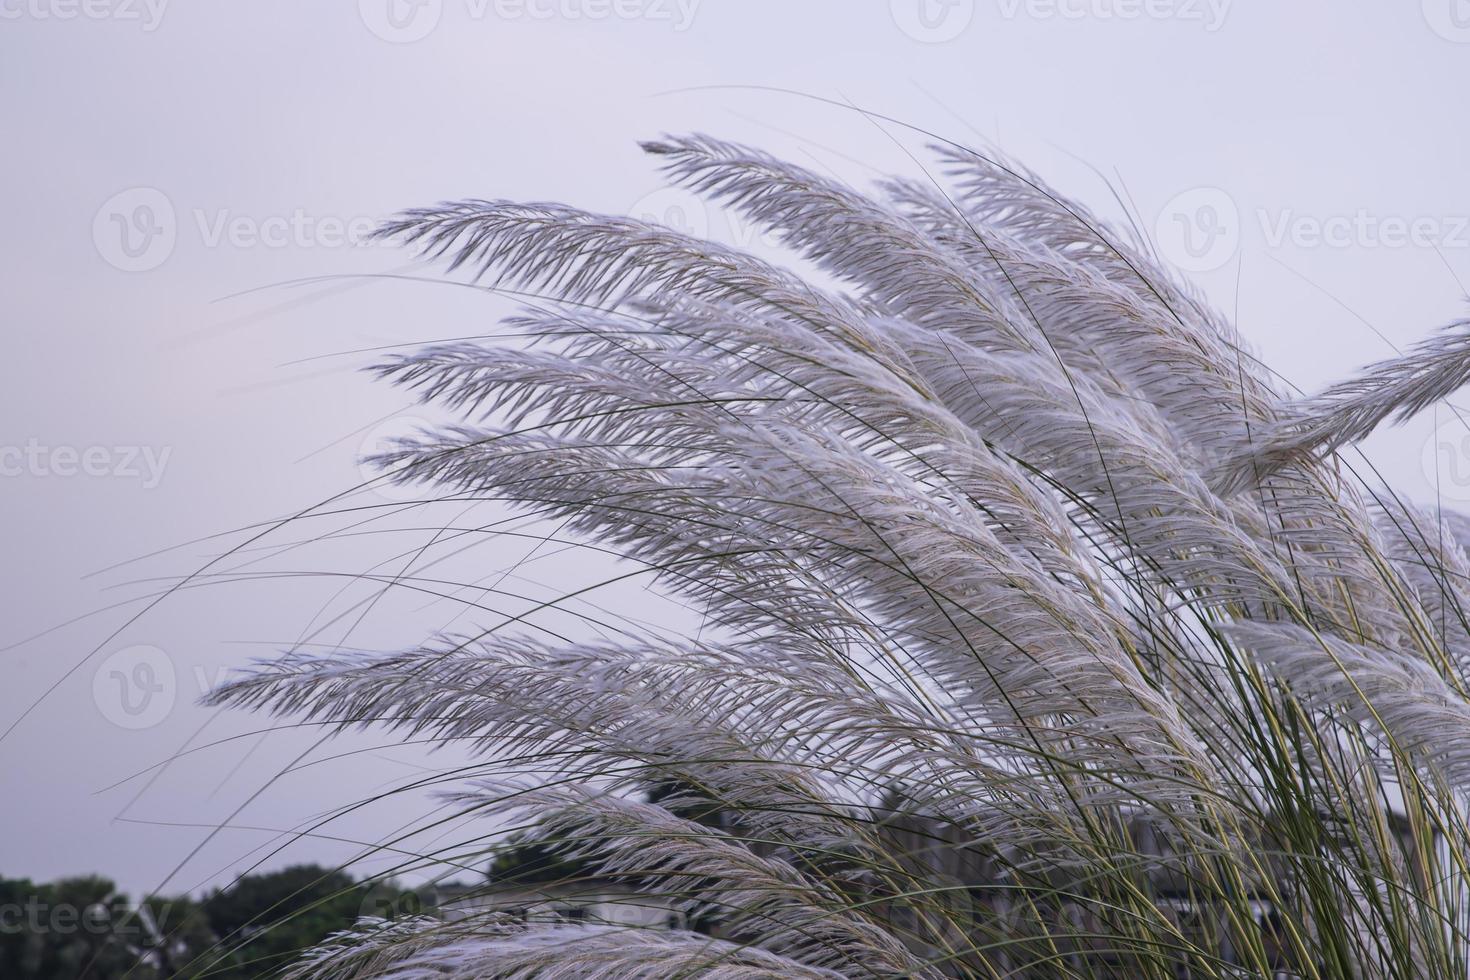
[{"x": 1045, "y": 636}]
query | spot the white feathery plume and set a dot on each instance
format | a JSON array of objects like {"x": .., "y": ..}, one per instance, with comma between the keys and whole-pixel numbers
[
  {"x": 1425, "y": 550},
  {"x": 1408, "y": 700},
  {"x": 1349, "y": 410},
  {"x": 432, "y": 952},
  {"x": 1003, "y": 672}
]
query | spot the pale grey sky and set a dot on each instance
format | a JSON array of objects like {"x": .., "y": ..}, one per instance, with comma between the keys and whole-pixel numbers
[{"x": 173, "y": 170}]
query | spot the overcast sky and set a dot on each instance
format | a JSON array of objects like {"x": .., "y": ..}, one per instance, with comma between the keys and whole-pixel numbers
[{"x": 180, "y": 176}]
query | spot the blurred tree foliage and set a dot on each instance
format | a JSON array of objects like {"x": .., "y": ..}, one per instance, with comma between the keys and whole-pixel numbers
[{"x": 84, "y": 927}]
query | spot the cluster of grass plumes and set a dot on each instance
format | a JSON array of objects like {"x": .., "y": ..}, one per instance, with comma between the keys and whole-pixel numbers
[{"x": 1045, "y": 637}]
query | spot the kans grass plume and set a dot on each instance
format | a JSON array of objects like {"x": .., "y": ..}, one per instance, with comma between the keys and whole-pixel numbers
[{"x": 1044, "y": 636}]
